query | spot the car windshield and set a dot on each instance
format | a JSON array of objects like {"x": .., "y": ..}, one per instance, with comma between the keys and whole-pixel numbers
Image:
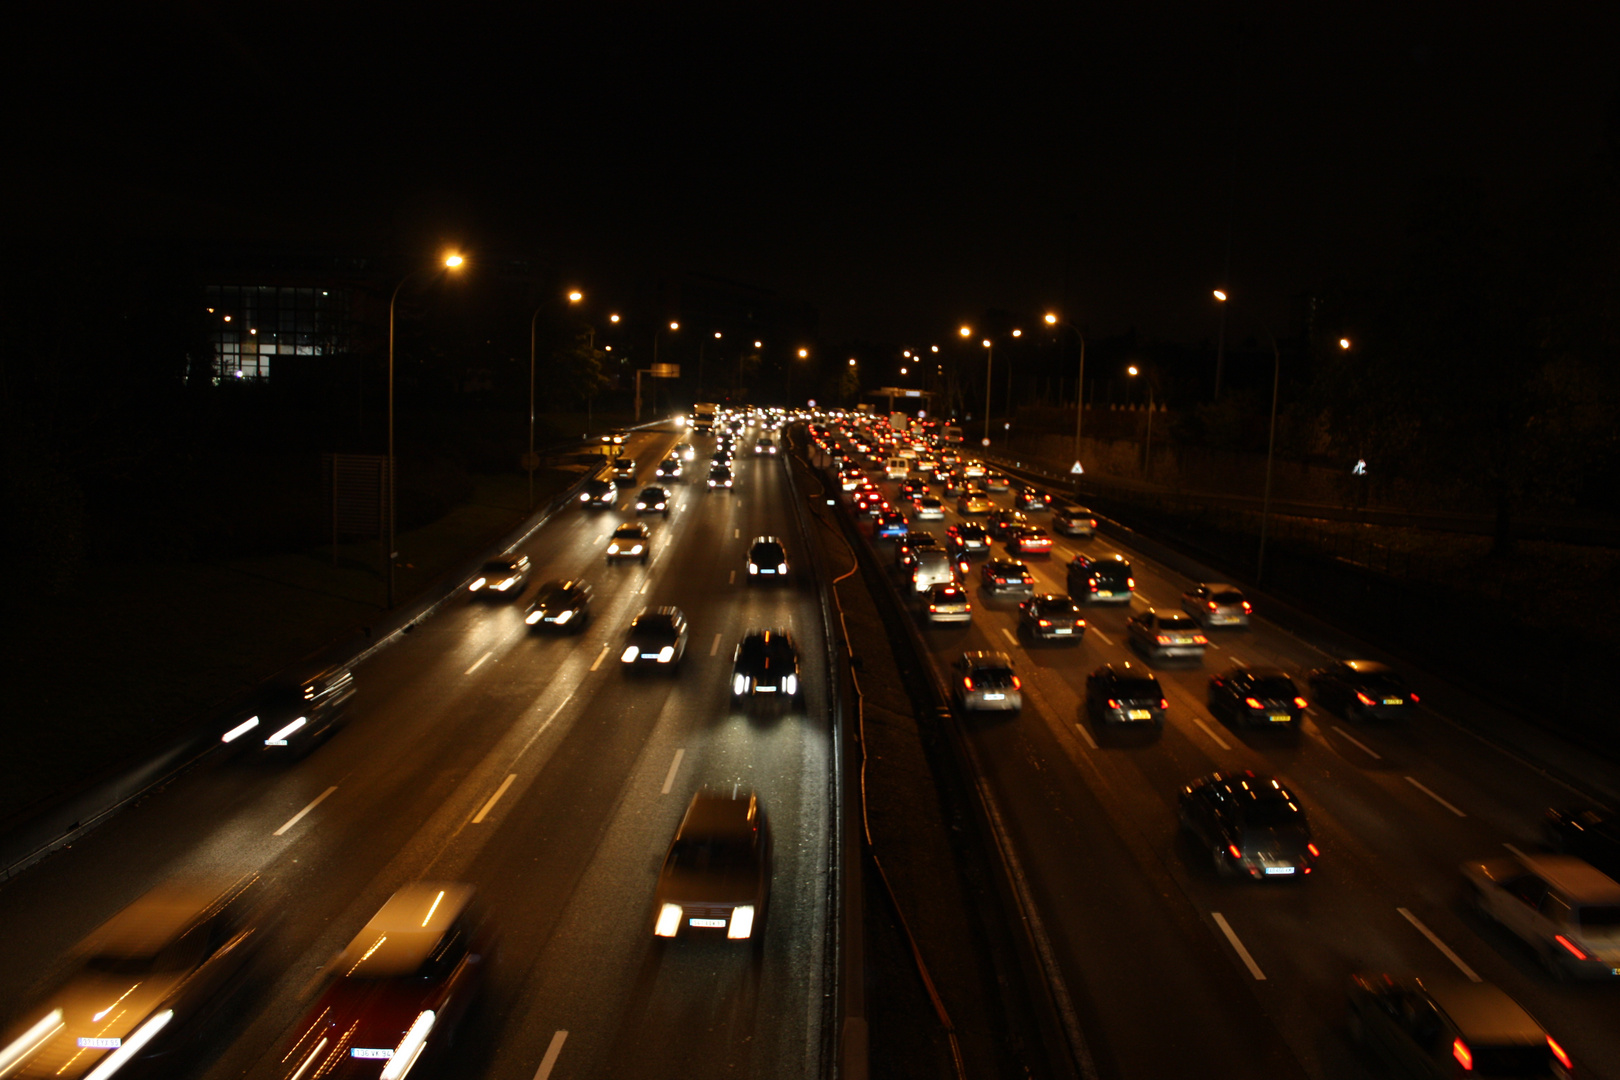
[
  {"x": 1274, "y": 687},
  {"x": 500, "y": 566},
  {"x": 712, "y": 853},
  {"x": 1383, "y": 683},
  {"x": 1177, "y": 622},
  {"x": 551, "y": 596},
  {"x": 1604, "y": 917},
  {"x": 992, "y": 677},
  {"x": 627, "y": 532},
  {"x": 767, "y": 553},
  {"x": 1055, "y": 607}
]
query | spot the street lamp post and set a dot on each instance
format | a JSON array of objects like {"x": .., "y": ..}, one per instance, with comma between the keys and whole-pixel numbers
[
  {"x": 1271, "y": 451},
  {"x": 656, "y": 333},
  {"x": 1080, "y": 381},
  {"x": 1220, "y": 343},
  {"x": 451, "y": 262},
  {"x": 1147, "y": 450}
]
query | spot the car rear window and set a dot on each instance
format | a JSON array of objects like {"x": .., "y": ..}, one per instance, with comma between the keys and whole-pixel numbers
[
  {"x": 1274, "y": 688},
  {"x": 1227, "y": 597},
  {"x": 1600, "y": 917},
  {"x": 1531, "y": 1060},
  {"x": 1177, "y": 622},
  {"x": 993, "y": 676},
  {"x": 1270, "y": 813},
  {"x": 1133, "y": 689}
]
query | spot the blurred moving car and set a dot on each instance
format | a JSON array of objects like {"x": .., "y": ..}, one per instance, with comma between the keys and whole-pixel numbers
[
  {"x": 599, "y": 491},
  {"x": 560, "y": 604},
  {"x": 767, "y": 560},
  {"x": 764, "y": 446},
  {"x": 144, "y": 984},
  {"x": 670, "y": 468},
  {"x": 616, "y": 438},
  {"x": 717, "y": 873},
  {"x": 974, "y": 502},
  {"x": 967, "y": 540},
  {"x": 399, "y": 990},
  {"x": 685, "y": 451},
  {"x": 1166, "y": 637},
  {"x": 1362, "y": 689},
  {"x": 1028, "y": 540},
  {"x": 928, "y": 508},
  {"x": 891, "y": 524},
  {"x": 1256, "y": 696},
  {"x": 947, "y": 602},
  {"x": 653, "y": 500},
  {"x": 1216, "y": 605},
  {"x": 1564, "y": 908},
  {"x": 657, "y": 638},
  {"x": 292, "y": 718},
  {"x": 631, "y": 540},
  {"x": 1448, "y": 1027},
  {"x": 1072, "y": 520},
  {"x": 986, "y": 682},
  {"x": 624, "y": 471},
  {"x": 931, "y": 566},
  {"x": 1249, "y": 824},
  {"x": 1051, "y": 617},
  {"x": 1588, "y": 834},
  {"x": 1029, "y": 498},
  {"x": 1001, "y": 523},
  {"x": 1000, "y": 576},
  {"x": 907, "y": 545},
  {"x": 1101, "y": 578},
  {"x": 501, "y": 579},
  {"x": 1125, "y": 694},
  {"x": 720, "y": 477},
  {"x": 766, "y": 662},
  {"x": 994, "y": 481}
]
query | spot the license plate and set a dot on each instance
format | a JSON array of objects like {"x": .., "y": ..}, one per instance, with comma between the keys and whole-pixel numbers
[
  {"x": 764, "y": 689},
  {"x": 371, "y": 1053},
  {"x": 1104, "y": 592},
  {"x": 767, "y": 571},
  {"x": 1064, "y": 630},
  {"x": 994, "y": 697},
  {"x": 1280, "y": 718},
  {"x": 1279, "y": 869},
  {"x": 1393, "y": 701},
  {"x": 718, "y": 923},
  {"x": 1140, "y": 714}
]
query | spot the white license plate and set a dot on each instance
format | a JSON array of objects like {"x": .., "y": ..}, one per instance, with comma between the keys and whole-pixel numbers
[
  {"x": 764, "y": 689},
  {"x": 707, "y": 922},
  {"x": 1104, "y": 592},
  {"x": 995, "y": 697},
  {"x": 1279, "y": 869},
  {"x": 1139, "y": 714},
  {"x": 371, "y": 1053},
  {"x": 1064, "y": 630}
]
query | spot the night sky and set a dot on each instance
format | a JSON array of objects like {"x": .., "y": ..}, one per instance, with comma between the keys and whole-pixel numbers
[{"x": 900, "y": 167}]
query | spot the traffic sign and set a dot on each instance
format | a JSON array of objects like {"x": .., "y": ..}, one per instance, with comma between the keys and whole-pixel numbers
[
  {"x": 1076, "y": 469},
  {"x": 984, "y": 442}
]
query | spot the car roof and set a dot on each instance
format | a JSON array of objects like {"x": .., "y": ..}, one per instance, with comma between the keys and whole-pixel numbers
[
  {"x": 407, "y": 929},
  {"x": 984, "y": 658},
  {"x": 1576, "y": 878},
  {"x": 1482, "y": 1012},
  {"x": 162, "y": 915},
  {"x": 1368, "y": 667},
  {"x": 712, "y": 813}
]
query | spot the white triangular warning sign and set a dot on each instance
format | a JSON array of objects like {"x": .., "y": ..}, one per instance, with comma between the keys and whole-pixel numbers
[{"x": 1077, "y": 470}]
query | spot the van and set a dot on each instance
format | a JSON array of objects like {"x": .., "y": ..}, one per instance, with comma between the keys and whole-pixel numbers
[
  {"x": 896, "y": 468},
  {"x": 1565, "y": 909},
  {"x": 932, "y": 566}
]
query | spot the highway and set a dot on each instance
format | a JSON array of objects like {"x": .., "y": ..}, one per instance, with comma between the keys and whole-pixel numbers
[
  {"x": 533, "y": 767},
  {"x": 1173, "y": 971}
]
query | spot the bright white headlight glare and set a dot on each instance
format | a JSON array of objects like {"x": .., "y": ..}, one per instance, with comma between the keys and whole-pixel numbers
[
  {"x": 739, "y": 684},
  {"x": 752, "y": 569},
  {"x": 532, "y": 618},
  {"x": 781, "y": 568},
  {"x": 475, "y": 586},
  {"x": 31, "y": 1040},
  {"x": 630, "y": 653},
  {"x": 584, "y": 496},
  {"x": 410, "y": 1047},
  {"x": 790, "y": 684},
  {"x": 641, "y": 506},
  {"x": 742, "y": 921},
  {"x": 132, "y": 1046},
  {"x": 636, "y": 550},
  {"x": 613, "y": 549},
  {"x": 507, "y": 584},
  {"x": 669, "y": 920},
  {"x": 666, "y": 654},
  {"x": 563, "y": 617},
  {"x": 230, "y": 736},
  {"x": 280, "y": 737}
]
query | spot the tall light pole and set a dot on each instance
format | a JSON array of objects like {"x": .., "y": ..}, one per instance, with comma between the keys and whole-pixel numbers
[
  {"x": 451, "y": 262},
  {"x": 1271, "y": 437},
  {"x": 1147, "y": 451},
  {"x": 1220, "y": 342},
  {"x": 1080, "y": 380},
  {"x": 673, "y": 326},
  {"x": 989, "y": 359}
]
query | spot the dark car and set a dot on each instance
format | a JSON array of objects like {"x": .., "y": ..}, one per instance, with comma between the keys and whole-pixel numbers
[
  {"x": 912, "y": 489},
  {"x": 766, "y": 663},
  {"x": 145, "y": 985},
  {"x": 599, "y": 492},
  {"x": 560, "y": 604},
  {"x": 1029, "y": 498},
  {"x": 720, "y": 477},
  {"x": 1450, "y": 1027},
  {"x": 501, "y": 579},
  {"x": 671, "y": 468},
  {"x": 657, "y": 639},
  {"x": 1592, "y": 835},
  {"x": 1217, "y": 605},
  {"x": 400, "y": 990},
  {"x": 630, "y": 541},
  {"x": 966, "y": 540},
  {"x": 1250, "y": 824},
  {"x": 1001, "y": 523},
  {"x": 906, "y": 547},
  {"x": 891, "y": 525},
  {"x": 767, "y": 560},
  {"x": 997, "y": 482},
  {"x": 1007, "y": 576},
  {"x": 1166, "y": 637},
  {"x": 1028, "y": 540},
  {"x": 1363, "y": 689},
  {"x": 653, "y": 500},
  {"x": 292, "y": 718},
  {"x": 1051, "y": 617},
  {"x": 1125, "y": 694},
  {"x": 1263, "y": 696},
  {"x": 716, "y": 877},
  {"x": 1101, "y": 578}
]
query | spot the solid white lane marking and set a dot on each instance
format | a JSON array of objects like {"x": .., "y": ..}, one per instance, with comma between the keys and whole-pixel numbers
[
  {"x": 493, "y": 799},
  {"x": 1226, "y": 928},
  {"x": 644, "y": 585},
  {"x": 1211, "y": 644},
  {"x": 601, "y": 658},
  {"x": 1414, "y": 782},
  {"x": 732, "y": 580},
  {"x": 1437, "y": 943},
  {"x": 736, "y": 534},
  {"x": 1365, "y": 749},
  {"x": 479, "y": 662},
  {"x": 296, "y": 818},
  {"x": 674, "y": 766},
  {"x": 549, "y": 1062},
  {"x": 1086, "y": 735},
  {"x": 715, "y": 648},
  {"x": 1515, "y": 850},
  {"x": 1106, "y": 639},
  {"x": 1218, "y": 740},
  {"x": 1140, "y": 595},
  {"x": 1010, "y": 636}
]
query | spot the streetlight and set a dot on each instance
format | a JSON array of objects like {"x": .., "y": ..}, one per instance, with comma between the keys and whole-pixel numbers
[
  {"x": 1271, "y": 437},
  {"x": 1220, "y": 342},
  {"x": 673, "y": 326},
  {"x": 1080, "y": 379},
  {"x": 451, "y": 261},
  {"x": 1147, "y": 451},
  {"x": 530, "y": 463}
]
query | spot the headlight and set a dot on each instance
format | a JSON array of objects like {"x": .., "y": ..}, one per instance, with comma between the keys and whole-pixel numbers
[
  {"x": 280, "y": 737},
  {"x": 669, "y": 920},
  {"x": 752, "y": 569},
  {"x": 636, "y": 550},
  {"x": 131, "y": 1046},
  {"x": 32, "y": 1040},
  {"x": 630, "y": 653},
  {"x": 641, "y": 506},
  {"x": 533, "y": 617},
  {"x": 666, "y": 654},
  {"x": 410, "y": 1047},
  {"x": 584, "y": 496},
  {"x": 507, "y": 584},
  {"x": 563, "y": 617},
  {"x": 790, "y": 684},
  {"x": 613, "y": 549},
  {"x": 742, "y": 921},
  {"x": 739, "y": 684},
  {"x": 660, "y": 506},
  {"x": 781, "y": 568},
  {"x": 479, "y": 584},
  {"x": 230, "y": 736}
]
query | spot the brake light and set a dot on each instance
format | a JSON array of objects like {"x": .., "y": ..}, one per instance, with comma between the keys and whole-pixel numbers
[
  {"x": 1574, "y": 950},
  {"x": 1234, "y": 851},
  {"x": 1464, "y": 1056},
  {"x": 1200, "y": 639},
  {"x": 1363, "y": 698},
  {"x": 1165, "y": 639},
  {"x": 1130, "y": 583},
  {"x": 1247, "y": 607},
  {"x": 1414, "y": 698},
  {"x": 1558, "y": 1052},
  {"x": 1164, "y": 703},
  {"x": 1092, "y": 584},
  {"x": 1112, "y": 704},
  {"x": 1046, "y": 622},
  {"x": 1301, "y": 703},
  {"x": 1017, "y": 684},
  {"x": 1253, "y": 703},
  {"x": 931, "y": 607},
  {"x": 1316, "y": 852},
  {"x": 967, "y": 682},
  {"x": 1213, "y": 605},
  {"x": 1093, "y": 523}
]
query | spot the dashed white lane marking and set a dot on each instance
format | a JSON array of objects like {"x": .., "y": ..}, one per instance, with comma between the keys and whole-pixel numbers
[
  {"x": 601, "y": 658},
  {"x": 1353, "y": 741},
  {"x": 644, "y": 585},
  {"x": 674, "y": 766},
  {"x": 1086, "y": 735},
  {"x": 296, "y": 818},
  {"x": 1145, "y": 598},
  {"x": 736, "y": 534},
  {"x": 1515, "y": 850},
  {"x": 1415, "y": 783},
  {"x": 1106, "y": 639},
  {"x": 479, "y": 662},
  {"x": 549, "y": 1062},
  {"x": 715, "y": 648},
  {"x": 1010, "y": 635},
  {"x": 732, "y": 580},
  {"x": 495, "y": 798},
  {"x": 1243, "y": 954},
  {"x": 1437, "y": 943},
  {"x": 1220, "y": 742}
]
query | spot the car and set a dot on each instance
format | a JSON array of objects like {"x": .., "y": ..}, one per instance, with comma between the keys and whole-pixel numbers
[
  {"x": 292, "y": 717},
  {"x": 850, "y": 479},
  {"x": 1072, "y": 520},
  {"x": 716, "y": 877},
  {"x": 986, "y": 682},
  {"x": 974, "y": 502},
  {"x": 721, "y": 456},
  {"x": 967, "y": 540},
  {"x": 144, "y": 985},
  {"x": 907, "y": 546},
  {"x": 1028, "y": 540},
  {"x": 1007, "y": 576},
  {"x": 1362, "y": 690},
  {"x": 891, "y": 525},
  {"x": 1029, "y": 498},
  {"x": 657, "y": 638},
  {"x": 1449, "y": 1026},
  {"x": 764, "y": 446},
  {"x": 1002, "y": 522},
  {"x": 767, "y": 560},
  {"x": 1165, "y": 637},
  {"x": 685, "y": 451},
  {"x": 911, "y": 488},
  {"x": 1588, "y": 834},
  {"x": 500, "y": 579},
  {"x": 931, "y": 567},
  {"x": 1564, "y": 908},
  {"x": 653, "y": 500},
  {"x": 1250, "y": 824},
  {"x": 632, "y": 540},
  {"x": 1125, "y": 694},
  {"x": 973, "y": 470},
  {"x": 1102, "y": 578},
  {"x": 560, "y": 604},
  {"x": 720, "y": 477},
  {"x": 670, "y": 468},
  {"x": 872, "y": 505},
  {"x": 624, "y": 471},
  {"x": 928, "y": 508},
  {"x": 1051, "y": 617},
  {"x": 616, "y": 438},
  {"x": 994, "y": 481},
  {"x": 766, "y": 662},
  {"x": 400, "y": 989},
  {"x": 947, "y": 602},
  {"x": 1263, "y": 696},
  {"x": 1216, "y": 605},
  {"x": 599, "y": 492}
]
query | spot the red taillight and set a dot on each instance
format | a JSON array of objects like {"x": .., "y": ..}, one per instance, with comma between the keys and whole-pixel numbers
[
  {"x": 1247, "y": 609},
  {"x": 1164, "y": 703},
  {"x": 1093, "y": 523},
  {"x": 1316, "y": 852},
  {"x": 1253, "y": 703},
  {"x": 931, "y": 607},
  {"x": 964, "y": 565},
  {"x": 1165, "y": 639},
  {"x": 1301, "y": 703},
  {"x": 1200, "y": 639},
  {"x": 1092, "y": 584},
  {"x": 1017, "y": 685},
  {"x": 1234, "y": 851},
  {"x": 967, "y": 682},
  {"x": 1558, "y": 1052},
  {"x": 1213, "y": 605},
  {"x": 1130, "y": 583},
  {"x": 1464, "y": 1056},
  {"x": 1112, "y": 704},
  {"x": 1414, "y": 698},
  {"x": 1046, "y": 622},
  {"x": 1574, "y": 950},
  {"x": 1363, "y": 698}
]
